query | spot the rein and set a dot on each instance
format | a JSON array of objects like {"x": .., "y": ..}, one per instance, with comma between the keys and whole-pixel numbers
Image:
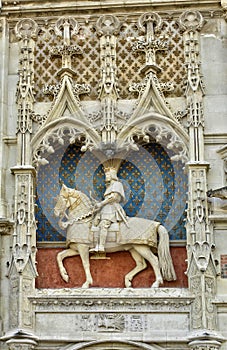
[
  {"x": 73, "y": 199},
  {"x": 75, "y": 203}
]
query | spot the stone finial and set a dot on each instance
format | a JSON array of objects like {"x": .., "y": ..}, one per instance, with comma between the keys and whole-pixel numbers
[
  {"x": 26, "y": 28},
  {"x": 66, "y": 27},
  {"x": 108, "y": 25},
  {"x": 191, "y": 21}
]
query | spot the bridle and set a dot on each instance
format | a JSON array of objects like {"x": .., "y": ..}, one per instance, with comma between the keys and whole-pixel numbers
[{"x": 77, "y": 199}]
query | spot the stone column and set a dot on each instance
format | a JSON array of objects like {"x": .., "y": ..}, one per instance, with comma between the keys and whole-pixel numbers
[
  {"x": 108, "y": 27},
  {"x": 201, "y": 264},
  {"x": 6, "y": 224},
  {"x": 22, "y": 268},
  {"x": 4, "y": 49}
]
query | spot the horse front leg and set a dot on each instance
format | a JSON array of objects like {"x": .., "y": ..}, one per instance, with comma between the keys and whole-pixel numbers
[
  {"x": 60, "y": 257},
  {"x": 84, "y": 254},
  {"x": 146, "y": 252}
]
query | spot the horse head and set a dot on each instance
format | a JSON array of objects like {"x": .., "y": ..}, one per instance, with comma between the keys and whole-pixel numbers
[{"x": 76, "y": 202}]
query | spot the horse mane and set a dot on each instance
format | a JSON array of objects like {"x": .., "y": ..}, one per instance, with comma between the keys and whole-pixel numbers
[
  {"x": 84, "y": 209},
  {"x": 85, "y": 199}
]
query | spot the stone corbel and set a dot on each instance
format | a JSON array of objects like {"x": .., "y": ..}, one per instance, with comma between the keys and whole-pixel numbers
[
  {"x": 201, "y": 252},
  {"x": 6, "y": 226},
  {"x": 20, "y": 339},
  {"x": 224, "y": 3},
  {"x": 223, "y": 154},
  {"x": 205, "y": 340}
]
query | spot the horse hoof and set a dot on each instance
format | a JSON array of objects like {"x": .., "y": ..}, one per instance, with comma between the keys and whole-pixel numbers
[
  {"x": 85, "y": 285},
  {"x": 128, "y": 284},
  {"x": 157, "y": 283},
  {"x": 65, "y": 278}
]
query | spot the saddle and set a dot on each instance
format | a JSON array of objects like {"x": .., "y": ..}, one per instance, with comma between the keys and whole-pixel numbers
[{"x": 112, "y": 236}]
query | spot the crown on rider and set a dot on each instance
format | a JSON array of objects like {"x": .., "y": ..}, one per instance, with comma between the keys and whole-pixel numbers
[
  {"x": 112, "y": 171},
  {"x": 111, "y": 166}
]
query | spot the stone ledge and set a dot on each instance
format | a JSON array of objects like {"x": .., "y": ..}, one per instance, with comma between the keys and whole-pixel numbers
[
  {"x": 29, "y": 6},
  {"x": 115, "y": 292}
]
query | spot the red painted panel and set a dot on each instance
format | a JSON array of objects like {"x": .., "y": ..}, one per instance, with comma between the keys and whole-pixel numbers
[{"x": 106, "y": 273}]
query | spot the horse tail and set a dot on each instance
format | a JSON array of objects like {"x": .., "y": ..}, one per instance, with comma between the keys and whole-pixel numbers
[{"x": 165, "y": 259}]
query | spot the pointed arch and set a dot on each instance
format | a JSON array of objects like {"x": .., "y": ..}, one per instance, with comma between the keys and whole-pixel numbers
[
  {"x": 164, "y": 130},
  {"x": 55, "y": 133}
]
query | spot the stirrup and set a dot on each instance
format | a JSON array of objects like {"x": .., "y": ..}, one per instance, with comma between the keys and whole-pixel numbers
[
  {"x": 101, "y": 249},
  {"x": 94, "y": 250}
]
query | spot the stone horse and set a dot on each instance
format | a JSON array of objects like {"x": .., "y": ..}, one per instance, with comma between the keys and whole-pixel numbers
[{"x": 139, "y": 237}]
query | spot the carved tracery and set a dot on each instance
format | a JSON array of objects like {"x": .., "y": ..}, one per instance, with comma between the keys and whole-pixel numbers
[
  {"x": 110, "y": 125},
  {"x": 109, "y": 129}
]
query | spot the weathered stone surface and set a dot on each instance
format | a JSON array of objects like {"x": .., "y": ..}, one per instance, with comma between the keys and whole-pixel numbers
[{"x": 100, "y": 73}]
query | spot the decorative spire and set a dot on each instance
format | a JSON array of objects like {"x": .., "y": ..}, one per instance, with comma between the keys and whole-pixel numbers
[
  {"x": 150, "y": 23},
  {"x": 66, "y": 28},
  {"x": 107, "y": 27}
]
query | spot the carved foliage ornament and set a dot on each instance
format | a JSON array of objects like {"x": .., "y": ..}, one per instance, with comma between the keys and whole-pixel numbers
[
  {"x": 66, "y": 27},
  {"x": 26, "y": 29},
  {"x": 191, "y": 21},
  {"x": 108, "y": 25},
  {"x": 147, "y": 18}
]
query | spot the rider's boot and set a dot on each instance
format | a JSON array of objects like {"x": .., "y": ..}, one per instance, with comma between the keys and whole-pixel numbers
[
  {"x": 94, "y": 250},
  {"x": 102, "y": 240}
]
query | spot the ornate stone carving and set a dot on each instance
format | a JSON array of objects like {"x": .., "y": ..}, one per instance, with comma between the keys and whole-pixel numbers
[
  {"x": 201, "y": 265},
  {"x": 111, "y": 323},
  {"x": 223, "y": 153},
  {"x": 136, "y": 234},
  {"x": 26, "y": 29},
  {"x": 58, "y": 136},
  {"x": 111, "y": 131},
  {"x": 13, "y": 346},
  {"x": 150, "y": 23},
  {"x": 67, "y": 301},
  {"x": 22, "y": 266},
  {"x": 205, "y": 340},
  {"x": 20, "y": 340},
  {"x": 191, "y": 21},
  {"x": 6, "y": 227},
  {"x": 108, "y": 25},
  {"x": 66, "y": 27}
]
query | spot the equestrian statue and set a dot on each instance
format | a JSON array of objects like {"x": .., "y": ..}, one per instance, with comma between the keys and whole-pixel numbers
[{"x": 104, "y": 227}]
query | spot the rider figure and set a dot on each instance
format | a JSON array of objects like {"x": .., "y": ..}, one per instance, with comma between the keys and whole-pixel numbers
[{"x": 110, "y": 209}]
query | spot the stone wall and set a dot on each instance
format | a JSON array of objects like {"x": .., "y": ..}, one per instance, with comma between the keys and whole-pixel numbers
[{"x": 114, "y": 80}]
